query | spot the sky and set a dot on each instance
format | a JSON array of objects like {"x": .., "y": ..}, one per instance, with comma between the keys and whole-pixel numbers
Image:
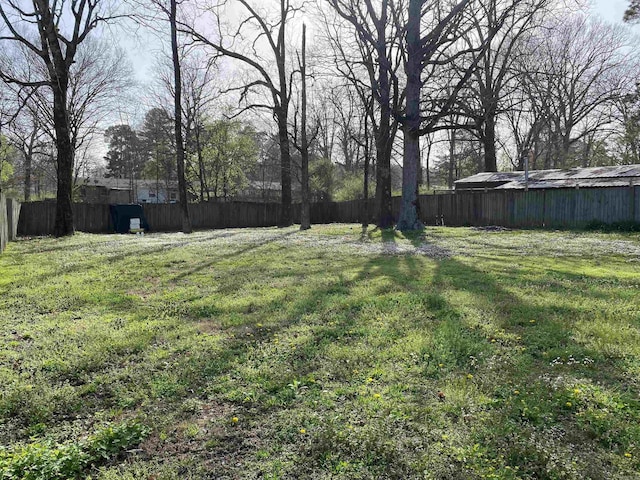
[
  {"x": 141, "y": 50},
  {"x": 611, "y": 10}
]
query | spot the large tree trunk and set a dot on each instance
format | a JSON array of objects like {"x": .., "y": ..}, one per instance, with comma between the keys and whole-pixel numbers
[
  {"x": 286, "y": 217},
  {"x": 365, "y": 186},
  {"x": 281, "y": 102},
  {"x": 383, "y": 171},
  {"x": 383, "y": 135},
  {"x": 410, "y": 208},
  {"x": 64, "y": 209},
  {"x": 182, "y": 184},
  {"x": 489, "y": 141}
]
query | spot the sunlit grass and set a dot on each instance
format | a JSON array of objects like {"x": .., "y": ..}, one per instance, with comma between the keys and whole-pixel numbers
[{"x": 277, "y": 354}]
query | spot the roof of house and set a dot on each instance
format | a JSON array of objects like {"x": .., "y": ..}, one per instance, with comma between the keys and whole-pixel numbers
[{"x": 613, "y": 176}]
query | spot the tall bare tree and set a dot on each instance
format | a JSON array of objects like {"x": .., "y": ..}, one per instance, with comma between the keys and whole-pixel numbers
[
  {"x": 375, "y": 37},
  {"x": 430, "y": 40},
  {"x": 53, "y": 31},
  {"x": 177, "y": 86},
  {"x": 305, "y": 214},
  {"x": 199, "y": 94},
  {"x": 574, "y": 73},
  {"x": 272, "y": 73},
  {"x": 493, "y": 81}
]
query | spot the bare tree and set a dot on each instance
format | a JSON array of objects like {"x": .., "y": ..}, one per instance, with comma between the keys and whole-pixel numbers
[
  {"x": 375, "y": 38},
  {"x": 575, "y": 72},
  {"x": 175, "y": 53},
  {"x": 99, "y": 78},
  {"x": 257, "y": 24},
  {"x": 493, "y": 80},
  {"x": 305, "y": 215},
  {"x": 627, "y": 135},
  {"x": 53, "y": 31},
  {"x": 199, "y": 92},
  {"x": 433, "y": 55},
  {"x": 27, "y": 134}
]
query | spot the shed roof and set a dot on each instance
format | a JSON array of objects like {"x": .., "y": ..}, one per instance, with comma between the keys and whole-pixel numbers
[
  {"x": 570, "y": 183},
  {"x": 490, "y": 177},
  {"x": 612, "y": 176}
]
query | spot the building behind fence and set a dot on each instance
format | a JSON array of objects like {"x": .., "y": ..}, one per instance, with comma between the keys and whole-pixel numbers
[{"x": 557, "y": 208}]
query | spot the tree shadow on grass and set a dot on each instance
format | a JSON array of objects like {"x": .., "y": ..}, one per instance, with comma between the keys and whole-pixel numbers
[
  {"x": 251, "y": 248},
  {"x": 544, "y": 327},
  {"x": 162, "y": 248},
  {"x": 336, "y": 315}
]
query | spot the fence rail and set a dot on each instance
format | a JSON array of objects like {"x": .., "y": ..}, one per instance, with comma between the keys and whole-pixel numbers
[{"x": 558, "y": 208}]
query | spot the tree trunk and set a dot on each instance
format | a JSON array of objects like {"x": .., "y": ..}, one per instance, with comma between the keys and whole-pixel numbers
[
  {"x": 383, "y": 171},
  {"x": 565, "y": 145},
  {"x": 286, "y": 218},
  {"x": 410, "y": 208},
  {"x": 281, "y": 110},
  {"x": 201, "y": 168},
  {"x": 489, "y": 141},
  {"x": 430, "y": 140},
  {"x": 452, "y": 157},
  {"x": 365, "y": 187},
  {"x": 64, "y": 209},
  {"x": 27, "y": 177},
  {"x": 28, "y": 162},
  {"x": 383, "y": 135},
  {"x": 182, "y": 184},
  {"x": 305, "y": 215}
]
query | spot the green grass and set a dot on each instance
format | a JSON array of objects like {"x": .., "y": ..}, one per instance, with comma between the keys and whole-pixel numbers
[{"x": 276, "y": 354}]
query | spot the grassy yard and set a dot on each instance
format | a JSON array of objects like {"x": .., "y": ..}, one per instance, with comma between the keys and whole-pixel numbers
[{"x": 273, "y": 354}]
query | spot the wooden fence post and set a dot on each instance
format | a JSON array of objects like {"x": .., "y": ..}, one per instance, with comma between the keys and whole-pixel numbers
[
  {"x": 632, "y": 198},
  {"x": 4, "y": 228},
  {"x": 13, "y": 215}
]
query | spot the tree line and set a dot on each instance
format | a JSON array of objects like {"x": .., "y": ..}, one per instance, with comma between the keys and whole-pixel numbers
[{"x": 427, "y": 91}]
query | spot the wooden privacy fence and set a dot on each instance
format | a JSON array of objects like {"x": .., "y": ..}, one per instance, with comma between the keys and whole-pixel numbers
[
  {"x": 557, "y": 208},
  {"x": 554, "y": 208}
]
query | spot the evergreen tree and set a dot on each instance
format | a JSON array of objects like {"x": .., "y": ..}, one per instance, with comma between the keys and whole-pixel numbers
[{"x": 125, "y": 157}]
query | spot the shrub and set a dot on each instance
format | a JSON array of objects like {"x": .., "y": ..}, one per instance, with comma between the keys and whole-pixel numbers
[{"x": 49, "y": 461}]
